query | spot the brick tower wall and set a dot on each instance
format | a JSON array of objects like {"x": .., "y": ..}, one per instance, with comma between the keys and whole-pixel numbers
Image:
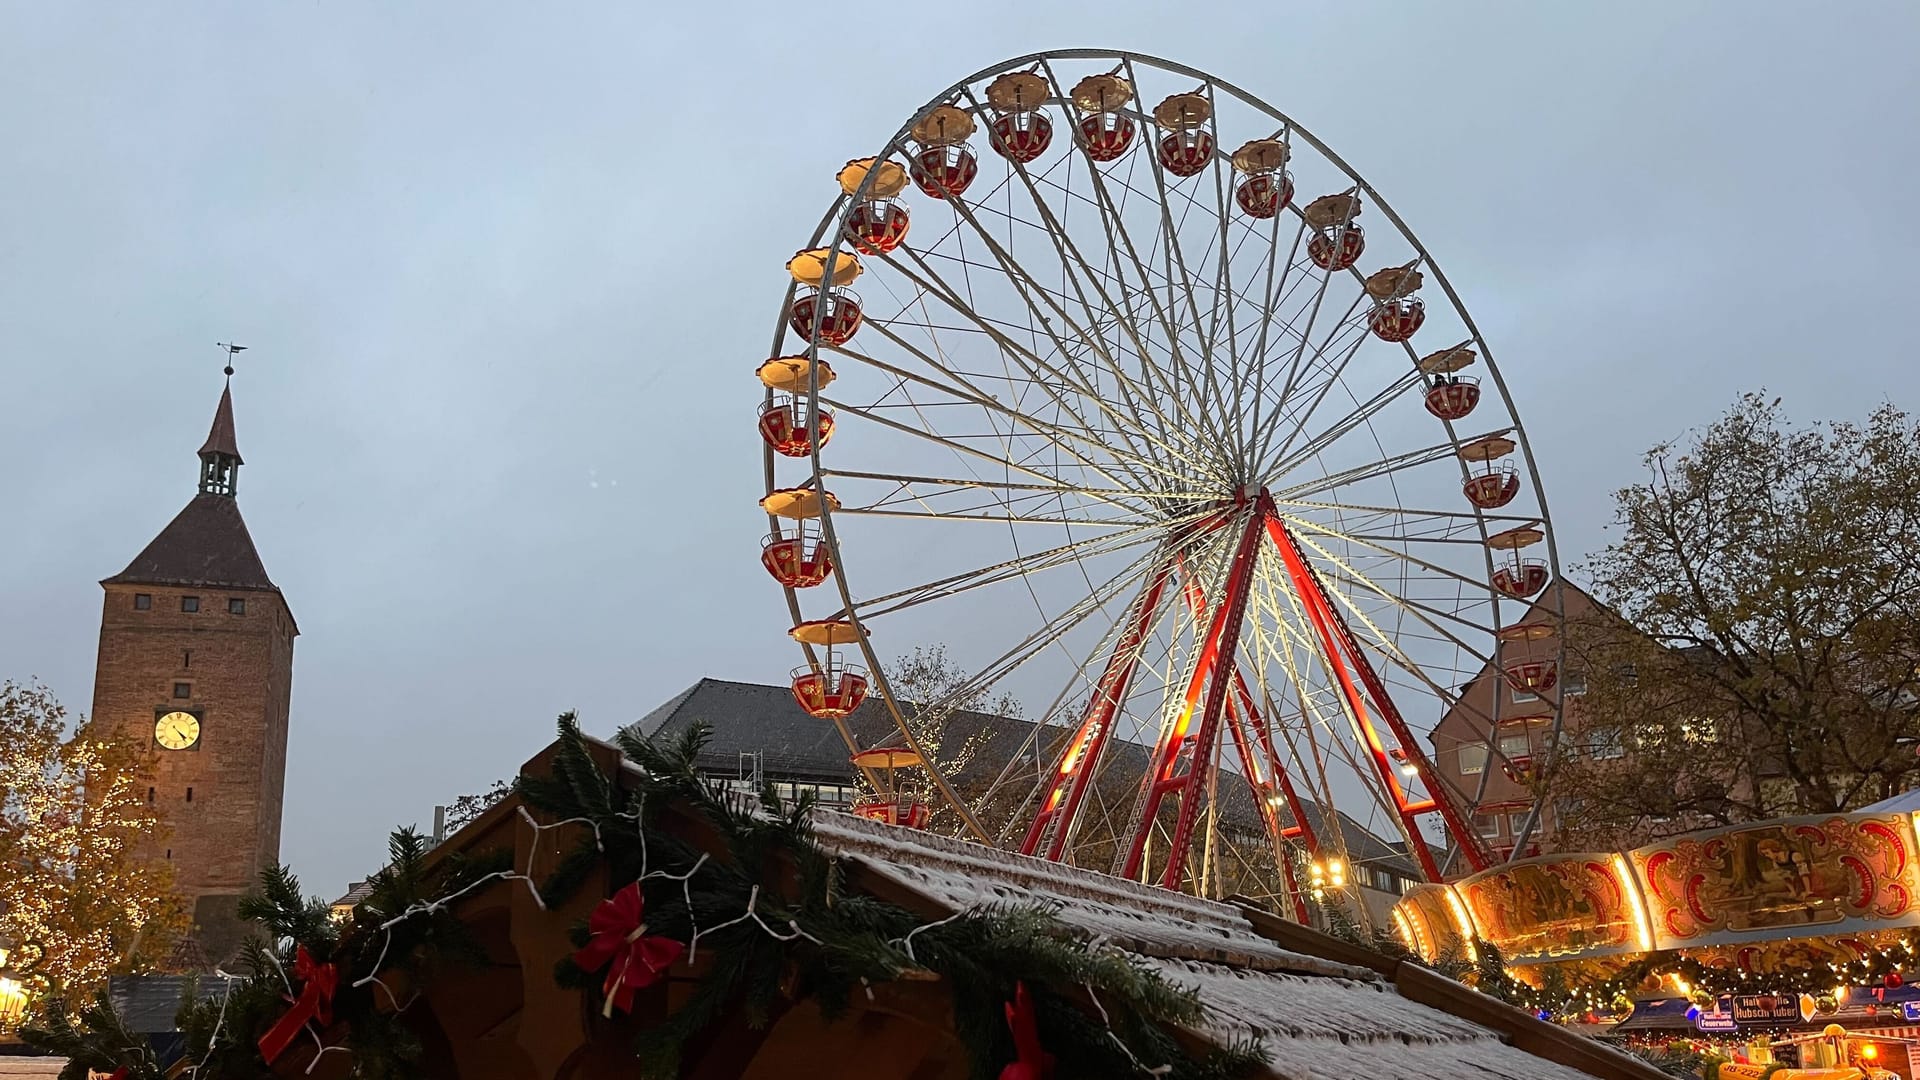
[{"x": 239, "y": 668}]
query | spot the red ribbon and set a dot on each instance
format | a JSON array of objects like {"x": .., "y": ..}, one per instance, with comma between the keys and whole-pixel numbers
[
  {"x": 314, "y": 1003},
  {"x": 119, "y": 1074},
  {"x": 1030, "y": 1060},
  {"x": 620, "y": 943}
]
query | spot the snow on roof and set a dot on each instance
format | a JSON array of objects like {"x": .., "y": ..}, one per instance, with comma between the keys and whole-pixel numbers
[
  {"x": 1321, "y": 1020},
  {"x": 1321, "y": 1028},
  {"x": 1153, "y": 922}
]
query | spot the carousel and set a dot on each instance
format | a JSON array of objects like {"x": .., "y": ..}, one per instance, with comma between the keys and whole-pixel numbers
[{"x": 1748, "y": 940}]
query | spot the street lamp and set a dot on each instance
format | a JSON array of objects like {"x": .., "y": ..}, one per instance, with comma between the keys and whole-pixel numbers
[{"x": 13, "y": 993}]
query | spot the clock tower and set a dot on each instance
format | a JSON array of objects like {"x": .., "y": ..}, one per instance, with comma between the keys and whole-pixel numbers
[{"x": 196, "y": 666}]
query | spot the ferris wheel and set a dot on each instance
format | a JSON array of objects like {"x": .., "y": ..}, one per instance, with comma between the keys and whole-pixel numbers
[{"x": 1123, "y": 385}]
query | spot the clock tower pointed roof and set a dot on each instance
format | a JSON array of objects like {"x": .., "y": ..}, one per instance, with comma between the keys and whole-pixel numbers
[{"x": 207, "y": 542}]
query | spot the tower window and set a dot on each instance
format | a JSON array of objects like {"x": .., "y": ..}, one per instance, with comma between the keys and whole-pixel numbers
[
  {"x": 186, "y": 658},
  {"x": 236, "y": 606},
  {"x": 142, "y": 601},
  {"x": 182, "y": 690},
  {"x": 189, "y": 603},
  {"x": 189, "y": 794},
  {"x": 149, "y": 796}
]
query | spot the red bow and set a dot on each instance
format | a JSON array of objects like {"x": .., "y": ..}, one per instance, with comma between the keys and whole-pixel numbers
[
  {"x": 620, "y": 944},
  {"x": 314, "y": 1003},
  {"x": 1030, "y": 1060}
]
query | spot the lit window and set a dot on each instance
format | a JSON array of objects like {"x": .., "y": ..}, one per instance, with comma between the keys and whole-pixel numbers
[
  {"x": 189, "y": 603},
  {"x": 182, "y": 690},
  {"x": 142, "y": 601},
  {"x": 1473, "y": 759},
  {"x": 1516, "y": 745},
  {"x": 236, "y": 606}
]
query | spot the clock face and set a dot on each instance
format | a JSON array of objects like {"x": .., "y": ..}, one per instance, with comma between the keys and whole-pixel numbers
[{"x": 177, "y": 730}]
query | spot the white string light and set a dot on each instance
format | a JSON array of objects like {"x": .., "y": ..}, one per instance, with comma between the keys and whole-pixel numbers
[
  {"x": 1107, "y": 1022},
  {"x": 751, "y": 914}
]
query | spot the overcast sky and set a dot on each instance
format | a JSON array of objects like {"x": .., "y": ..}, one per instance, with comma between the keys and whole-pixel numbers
[{"x": 505, "y": 271}]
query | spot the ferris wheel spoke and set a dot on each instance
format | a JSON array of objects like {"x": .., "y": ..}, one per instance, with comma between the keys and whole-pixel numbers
[
  {"x": 1302, "y": 356},
  {"x": 1305, "y": 358},
  {"x": 1397, "y": 463},
  {"x": 1223, "y": 287},
  {"x": 1122, "y": 458},
  {"x": 1127, "y": 321},
  {"x": 1070, "y": 257},
  {"x": 1297, "y": 653},
  {"x": 981, "y": 515},
  {"x": 1026, "y": 359},
  {"x": 1109, "y": 495},
  {"x": 1323, "y": 529},
  {"x": 1120, "y": 244},
  {"x": 1176, "y": 259},
  {"x": 1360, "y": 414},
  {"x": 1028, "y": 288},
  {"x": 954, "y": 444},
  {"x": 1053, "y": 630},
  {"x": 1226, "y": 297},
  {"x": 994, "y": 573}
]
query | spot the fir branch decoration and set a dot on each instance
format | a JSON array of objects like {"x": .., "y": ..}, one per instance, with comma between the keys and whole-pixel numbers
[
  {"x": 830, "y": 943},
  {"x": 95, "y": 1040}
]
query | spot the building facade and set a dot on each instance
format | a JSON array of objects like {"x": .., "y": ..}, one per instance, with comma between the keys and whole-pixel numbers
[
  {"x": 1506, "y": 697},
  {"x": 196, "y": 665}
]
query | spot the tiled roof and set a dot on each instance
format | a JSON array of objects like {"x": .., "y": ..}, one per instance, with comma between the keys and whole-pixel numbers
[
  {"x": 755, "y": 718},
  {"x": 207, "y": 543}
]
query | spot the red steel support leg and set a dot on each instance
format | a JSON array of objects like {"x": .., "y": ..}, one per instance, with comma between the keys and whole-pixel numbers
[
  {"x": 1243, "y": 712},
  {"x": 1309, "y": 592},
  {"x": 1337, "y": 638},
  {"x": 1302, "y": 825},
  {"x": 1263, "y": 796},
  {"x": 1223, "y": 637},
  {"x": 1075, "y": 769}
]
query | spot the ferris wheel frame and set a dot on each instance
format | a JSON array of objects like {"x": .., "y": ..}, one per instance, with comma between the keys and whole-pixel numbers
[{"x": 831, "y": 235}]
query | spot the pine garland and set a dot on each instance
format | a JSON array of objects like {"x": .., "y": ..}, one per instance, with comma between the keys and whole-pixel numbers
[{"x": 844, "y": 941}]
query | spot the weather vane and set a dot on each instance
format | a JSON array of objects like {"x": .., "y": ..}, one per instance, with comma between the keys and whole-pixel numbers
[{"x": 230, "y": 350}]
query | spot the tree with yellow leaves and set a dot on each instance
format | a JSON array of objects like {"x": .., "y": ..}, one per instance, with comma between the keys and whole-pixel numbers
[{"x": 77, "y": 898}]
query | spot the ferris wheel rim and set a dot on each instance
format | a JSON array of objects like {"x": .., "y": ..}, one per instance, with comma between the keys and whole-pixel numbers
[{"x": 831, "y": 232}]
